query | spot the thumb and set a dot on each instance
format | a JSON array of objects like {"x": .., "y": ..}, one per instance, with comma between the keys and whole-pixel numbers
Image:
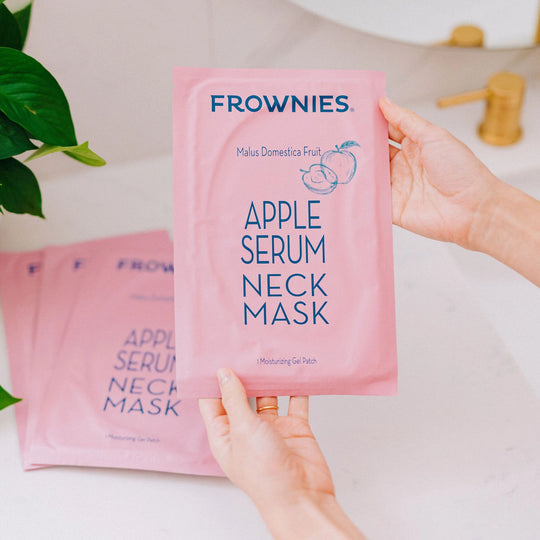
[{"x": 233, "y": 396}]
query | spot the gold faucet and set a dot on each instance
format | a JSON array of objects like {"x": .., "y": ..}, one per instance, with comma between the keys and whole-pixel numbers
[
  {"x": 504, "y": 99},
  {"x": 465, "y": 35}
]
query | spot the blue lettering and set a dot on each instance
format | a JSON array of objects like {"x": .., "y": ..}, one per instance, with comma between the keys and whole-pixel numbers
[
  {"x": 136, "y": 407},
  {"x": 256, "y": 222},
  {"x": 255, "y": 99},
  {"x": 133, "y": 364},
  {"x": 156, "y": 408},
  {"x": 306, "y": 103},
  {"x": 259, "y": 250},
  {"x": 234, "y": 103},
  {"x": 135, "y": 389},
  {"x": 171, "y": 407},
  {"x": 297, "y": 103},
  {"x": 216, "y": 103},
  {"x": 270, "y": 287},
  {"x": 151, "y": 387},
  {"x": 265, "y": 218},
  {"x": 257, "y": 289},
  {"x": 312, "y": 217},
  {"x": 121, "y": 404},
  {"x": 342, "y": 105},
  {"x": 280, "y": 309},
  {"x": 253, "y": 314},
  {"x": 315, "y": 285},
  {"x": 275, "y": 252},
  {"x": 247, "y": 248},
  {"x": 317, "y": 313},
  {"x": 276, "y": 104},
  {"x": 300, "y": 312},
  {"x": 120, "y": 357},
  {"x": 288, "y": 287},
  {"x": 114, "y": 382},
  {"x": 314, "y": 250},
  {"x": 282, "y": 219},
  {"x": 326, "y": 103}
]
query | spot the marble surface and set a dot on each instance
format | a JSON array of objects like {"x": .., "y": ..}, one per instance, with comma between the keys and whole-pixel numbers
[
  {"x": 511, "y": 303},
  {"x": 426, "y": 22},
  {"x": 114, "y": 61},
  {"x": 455, "y": 455}
]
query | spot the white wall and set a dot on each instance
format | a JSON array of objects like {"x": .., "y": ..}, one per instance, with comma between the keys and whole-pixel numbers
[{"x": 114, "y": 60}]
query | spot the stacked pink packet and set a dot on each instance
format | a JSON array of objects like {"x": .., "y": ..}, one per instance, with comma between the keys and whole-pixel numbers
[{"x": 90, "y": 335}]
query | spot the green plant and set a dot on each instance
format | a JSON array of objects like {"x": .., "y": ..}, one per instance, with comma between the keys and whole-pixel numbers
[
  {"x": 33, "y": 108},
  {"x": 6, "y": 399}
]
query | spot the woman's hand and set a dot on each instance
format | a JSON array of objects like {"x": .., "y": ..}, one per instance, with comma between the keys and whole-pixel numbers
[
  {"x": 276, "y": 461},
  {"x": 441, "y": 190},
  {"x": 438, "y": 185}
]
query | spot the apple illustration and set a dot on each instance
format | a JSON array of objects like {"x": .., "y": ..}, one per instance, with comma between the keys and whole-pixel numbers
[
  {"x": 319, "y": 179},
  {"x": 341, "y": 161}
]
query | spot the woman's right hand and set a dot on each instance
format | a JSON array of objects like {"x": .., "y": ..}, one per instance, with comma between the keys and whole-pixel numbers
[
  {"x": 439, "y": 186},
  {"x": 441, "y": 190}
]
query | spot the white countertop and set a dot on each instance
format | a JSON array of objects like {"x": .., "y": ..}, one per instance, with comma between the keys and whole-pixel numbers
[
  {"x": 455, "y": 455},
  {"x": 510, "y": 302}
]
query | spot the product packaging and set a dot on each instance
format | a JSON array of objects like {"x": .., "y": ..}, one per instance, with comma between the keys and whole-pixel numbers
[
  {"x": 283, "y": 242},
  {"x": 61, "y": 271},
  {"x": 19, "y": 289},
  {"x": 112, "y": 399}
]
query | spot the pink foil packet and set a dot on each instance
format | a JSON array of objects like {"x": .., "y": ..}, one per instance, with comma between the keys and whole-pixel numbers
[
  {"x": 112, "y": 399},
  {"x": 61, "y": 274},
  {"x": 20, "y": 275},
  {"x": 21, "y": 286},
  {"x": 283, "y": 241}
]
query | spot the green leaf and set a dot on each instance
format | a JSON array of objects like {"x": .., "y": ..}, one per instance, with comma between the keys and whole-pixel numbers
[
  {"x": 13, "y": 138},
  {"x": 31, "y": 97},
  {"x": 19, "y": 189},
  {"x": 23, "y": 20},
  {"x": 10, "y": 34},
  {"x": 81, "y": 153},
  {"x": 6, "y": 399}
]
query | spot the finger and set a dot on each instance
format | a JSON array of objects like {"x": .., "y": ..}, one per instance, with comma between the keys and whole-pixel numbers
[
  {"x": 267, "y": 402},
  {"x": 395, "y": 134},
  {"x": 299, "y": 406},
  {"x": 211, "y": 409},
  {"x": 214, "y": 418},
  {"x": 408, "y": 123},
  {"x": 233, "y": 396},
  {"x": 217, "y": 428}
]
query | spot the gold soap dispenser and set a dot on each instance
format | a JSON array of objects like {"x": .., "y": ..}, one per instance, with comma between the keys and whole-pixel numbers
[{"x": 504, "y": 99}]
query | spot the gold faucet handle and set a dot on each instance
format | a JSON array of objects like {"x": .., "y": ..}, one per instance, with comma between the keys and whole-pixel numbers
[
  {"x": 504, "y": 98},
  {"x": 465, "y": 97},
  {"x": 504, "y": 85}
]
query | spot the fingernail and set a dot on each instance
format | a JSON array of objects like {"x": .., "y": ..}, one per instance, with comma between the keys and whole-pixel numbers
[
  {"x": 387, "y": 100},
  {"x": 224, "y": 375}
]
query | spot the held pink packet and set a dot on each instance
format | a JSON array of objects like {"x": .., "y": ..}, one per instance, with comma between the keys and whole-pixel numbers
[
  {"x": 61, "y": 274},
  {"x": 283, "y": 243},
  {"x": 112, "y": 399}
]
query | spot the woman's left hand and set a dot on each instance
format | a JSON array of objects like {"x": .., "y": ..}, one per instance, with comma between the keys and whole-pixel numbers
[{"x": 275, "y": 460}]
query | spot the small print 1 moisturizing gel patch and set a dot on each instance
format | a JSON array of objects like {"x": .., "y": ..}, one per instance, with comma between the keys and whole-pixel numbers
[{"x": 283, "y": 242}]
